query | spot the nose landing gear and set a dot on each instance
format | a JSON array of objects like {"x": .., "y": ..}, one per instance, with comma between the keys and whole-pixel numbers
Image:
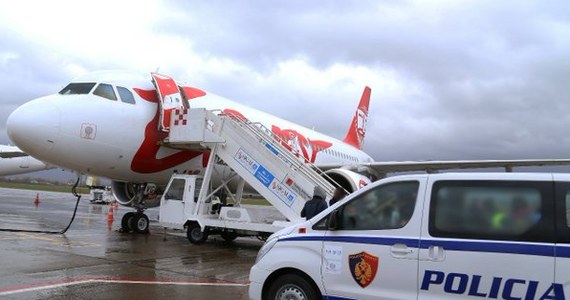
[{"x": 138, "y": 221}]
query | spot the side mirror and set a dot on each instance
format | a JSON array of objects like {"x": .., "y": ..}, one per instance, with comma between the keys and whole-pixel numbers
[{"x": 333, "y": 220}]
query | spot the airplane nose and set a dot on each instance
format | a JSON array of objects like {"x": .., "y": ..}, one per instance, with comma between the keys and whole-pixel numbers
[{"x": 34, "y": 127}]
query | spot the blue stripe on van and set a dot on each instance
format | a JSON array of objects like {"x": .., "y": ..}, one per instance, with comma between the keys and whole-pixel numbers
[
  {"x": 495, "y": 247},
  {"x": 563, "y": 251},
  {"x": 454, "y": 245},
  {"x": 335, "y": 298},
  {"x": 358, "y": 240}
]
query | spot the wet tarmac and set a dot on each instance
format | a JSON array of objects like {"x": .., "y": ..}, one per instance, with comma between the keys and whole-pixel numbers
[{"x": 93, "y": 260}]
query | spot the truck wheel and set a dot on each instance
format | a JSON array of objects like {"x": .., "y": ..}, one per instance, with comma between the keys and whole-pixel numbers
[
  {"x": 125, "y": 221},
  {"x": 292, "y": 286},
  {"x": 229, "y": 235},
  {"x": 195, "y": 234},
  {"x": 139, "y": 223}
]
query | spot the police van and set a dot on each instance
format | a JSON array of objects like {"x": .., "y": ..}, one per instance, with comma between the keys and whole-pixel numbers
[{"x": 428, "y": 236}]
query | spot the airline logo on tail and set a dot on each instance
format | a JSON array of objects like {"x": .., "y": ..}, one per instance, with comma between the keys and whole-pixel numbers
[{"x": 357, "y": 130}]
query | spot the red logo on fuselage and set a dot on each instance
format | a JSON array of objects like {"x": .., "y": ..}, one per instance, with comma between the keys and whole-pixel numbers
[
  {"x": 299, "y": 144},
  {"x": 291, "y": 139}
]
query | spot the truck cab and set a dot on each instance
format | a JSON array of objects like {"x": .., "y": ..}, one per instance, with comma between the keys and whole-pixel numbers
[
  {"x": 179, "y": 200},
  {"x": 428, "y": 236}
]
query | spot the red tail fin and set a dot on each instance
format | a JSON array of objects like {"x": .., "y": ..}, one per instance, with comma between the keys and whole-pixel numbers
[{"x": 357, "y": 129}]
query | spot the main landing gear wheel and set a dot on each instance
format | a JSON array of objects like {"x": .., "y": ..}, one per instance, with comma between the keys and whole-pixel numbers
[
  {"x": 229, "y": 235},
  {"x": 139, "y": 223},
  {"x": 292, "y": 286},
  {"x": 125, "y": 221},
  {"x": 195, "y": 234}
]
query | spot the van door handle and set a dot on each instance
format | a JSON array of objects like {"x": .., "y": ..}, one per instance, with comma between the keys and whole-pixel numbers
[
  {"x": 436, "y": 253},
  {"x": 401, "y": 250}
]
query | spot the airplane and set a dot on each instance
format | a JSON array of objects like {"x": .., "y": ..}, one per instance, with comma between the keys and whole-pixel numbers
[
  {"x": 14, "y": 161},
  {"x": 110, "y": 124}
]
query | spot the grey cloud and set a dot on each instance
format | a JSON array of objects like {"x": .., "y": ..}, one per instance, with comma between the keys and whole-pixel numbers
[{"x": 492, "y": 76}]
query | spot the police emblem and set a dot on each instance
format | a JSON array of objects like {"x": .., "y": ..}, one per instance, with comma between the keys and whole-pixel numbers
[{"x": 363, "y": 267}]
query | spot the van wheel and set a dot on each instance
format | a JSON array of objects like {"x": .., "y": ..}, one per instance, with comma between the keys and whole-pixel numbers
[
  {"x": 195, "y": 234},
  {"x": 229, "y": 235},
  {"x": 292, "y": 286}
]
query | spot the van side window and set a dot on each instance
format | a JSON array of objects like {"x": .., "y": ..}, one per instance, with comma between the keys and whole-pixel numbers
[
  {"x": 176, "y": 190},
  {"x": 563, "y": 211},
  {"x": 495, "y": 210},
  {"x": 567, "y": 209},
  {"x": 388, "y": 206}
]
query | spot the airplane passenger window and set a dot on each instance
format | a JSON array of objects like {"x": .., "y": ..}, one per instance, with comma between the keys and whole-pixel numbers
[
  {"x": 82, "y": 88},
  {"x": 106, "y": 91},
  {"x": 126, "y": 95}
]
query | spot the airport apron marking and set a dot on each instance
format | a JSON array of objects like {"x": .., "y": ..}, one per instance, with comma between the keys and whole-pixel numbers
[{"x": 80, "y": 281}]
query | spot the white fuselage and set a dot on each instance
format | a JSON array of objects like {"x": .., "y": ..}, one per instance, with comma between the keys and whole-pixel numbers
[{"x": 111, "y": 138}]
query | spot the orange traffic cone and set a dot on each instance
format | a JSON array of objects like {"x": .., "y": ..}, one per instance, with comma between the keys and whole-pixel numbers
[
  {"x": 110, "y": 214},
  {"x": 37, "y": 200}
]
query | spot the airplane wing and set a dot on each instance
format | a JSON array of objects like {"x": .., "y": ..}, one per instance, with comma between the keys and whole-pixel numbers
[
  {"x": 434, "y": 166},
  {"x": 12, "y": 154}
]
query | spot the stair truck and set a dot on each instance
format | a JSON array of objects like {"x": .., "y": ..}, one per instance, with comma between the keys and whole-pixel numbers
[{"x": 245, "y": 152}]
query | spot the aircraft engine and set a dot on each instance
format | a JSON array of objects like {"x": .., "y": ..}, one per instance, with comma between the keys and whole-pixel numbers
[
  {"x": 349, "y": 180},
  {"x": 125, "y": 193}
]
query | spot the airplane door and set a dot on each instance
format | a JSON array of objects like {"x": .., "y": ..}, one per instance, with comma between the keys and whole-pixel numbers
[{"x": 169, "y": 98}]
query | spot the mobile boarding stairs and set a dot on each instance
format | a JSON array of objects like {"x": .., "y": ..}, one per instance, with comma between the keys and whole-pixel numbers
[{"x": 256, "y": 157}]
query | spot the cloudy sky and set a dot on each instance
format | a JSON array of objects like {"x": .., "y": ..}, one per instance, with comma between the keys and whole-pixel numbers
[{"x": 450, "y": 79}]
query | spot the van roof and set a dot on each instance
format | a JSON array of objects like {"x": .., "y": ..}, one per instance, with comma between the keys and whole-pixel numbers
[{"x": 488, "y": 176}]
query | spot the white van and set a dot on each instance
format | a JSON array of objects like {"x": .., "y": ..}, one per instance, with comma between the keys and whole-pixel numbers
[{"x": 436, "y": 236}]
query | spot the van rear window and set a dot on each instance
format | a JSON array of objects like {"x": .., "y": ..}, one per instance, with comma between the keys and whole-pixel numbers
[{"x": 492, "y": 210}]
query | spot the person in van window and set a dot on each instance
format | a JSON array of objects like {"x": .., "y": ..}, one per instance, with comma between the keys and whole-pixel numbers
[
  {"x": 407, "y": 203},
  {"x": 314, "y": 206},
  {"x": 522, "y": 216},
  {"x": 339, "y": 194}
]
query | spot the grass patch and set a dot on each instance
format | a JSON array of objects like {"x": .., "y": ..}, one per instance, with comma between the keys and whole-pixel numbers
[
  {"x": 85, "y": 190},
  {"x": 255, "y": 201},
  {"x": 42, "y": 187}
]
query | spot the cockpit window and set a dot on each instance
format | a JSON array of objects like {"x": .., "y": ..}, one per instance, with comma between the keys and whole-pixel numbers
[
  {"x": 126, "y": 95},
  {"x": 82, "y": 88},
  {"x": 106, "y": 91}
]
